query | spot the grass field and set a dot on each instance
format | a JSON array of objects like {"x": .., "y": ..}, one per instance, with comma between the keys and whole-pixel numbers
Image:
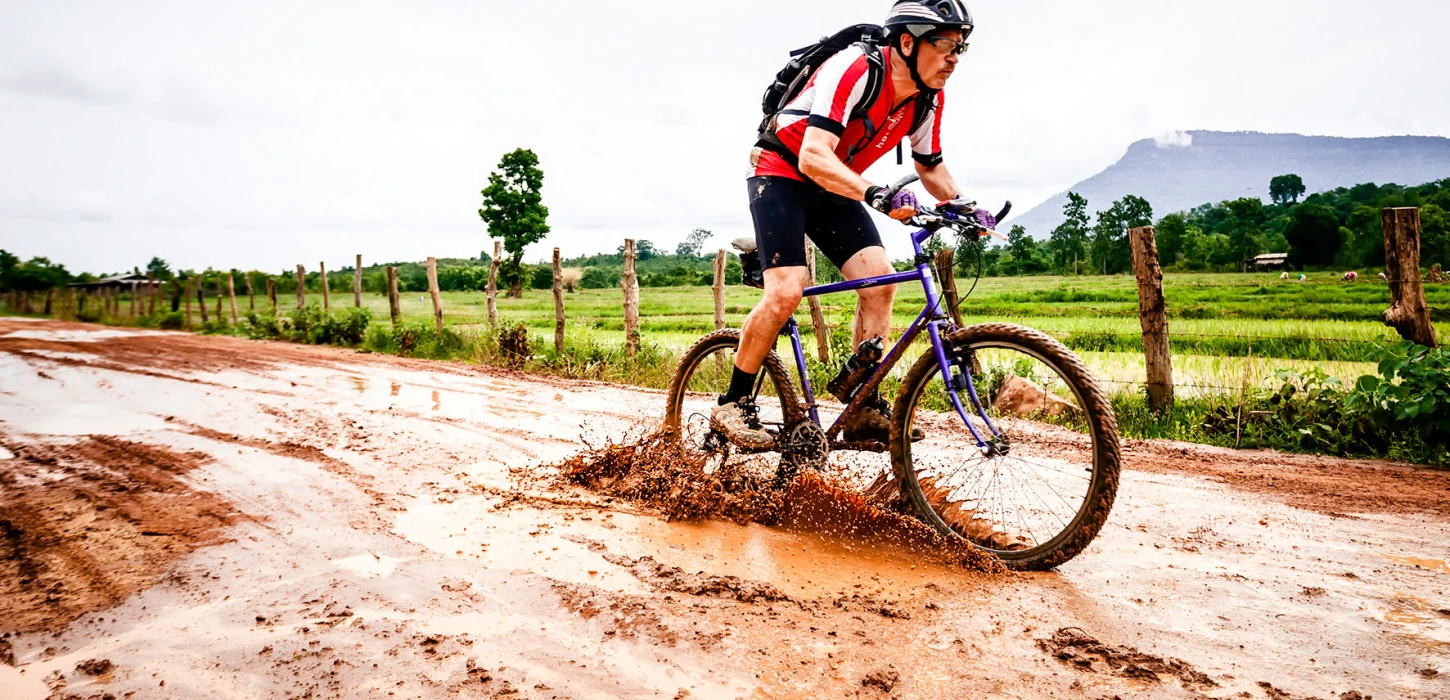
[{"x": 1224, "y": 326}]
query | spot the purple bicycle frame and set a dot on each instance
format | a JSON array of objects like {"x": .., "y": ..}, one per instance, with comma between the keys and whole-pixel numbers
[{"x": 932, "y": 319}]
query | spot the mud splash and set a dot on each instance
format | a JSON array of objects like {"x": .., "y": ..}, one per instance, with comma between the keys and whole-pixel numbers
[
  {"x": 1076, "y": 648},
  {"x": 653, "y": 472}
]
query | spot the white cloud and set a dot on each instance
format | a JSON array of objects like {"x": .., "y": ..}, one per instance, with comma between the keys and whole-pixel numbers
[{"x": 1174, "y": 139}]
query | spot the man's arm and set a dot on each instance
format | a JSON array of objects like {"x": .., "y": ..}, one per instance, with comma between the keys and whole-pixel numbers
[
  {"x": 938, "y": 181},
  {"x": 819, "y": 163}
]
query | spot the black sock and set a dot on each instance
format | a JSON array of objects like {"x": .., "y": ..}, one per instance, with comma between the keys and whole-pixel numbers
[{"x": 742, "y": 384}]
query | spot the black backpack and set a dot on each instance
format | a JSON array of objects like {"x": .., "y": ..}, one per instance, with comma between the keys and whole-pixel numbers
[{"x": 804, "y": 62}]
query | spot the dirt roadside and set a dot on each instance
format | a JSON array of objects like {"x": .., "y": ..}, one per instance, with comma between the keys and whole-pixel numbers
[{"x": 233, "y": 518}]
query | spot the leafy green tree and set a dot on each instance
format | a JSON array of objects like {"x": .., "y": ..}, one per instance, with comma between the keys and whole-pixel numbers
[
  {"x": 36, "y": 275},
  {"x": 1434, "y": 235},
  {"x": 514, "y": 211},
  {"x": 1069, "y": 241},
  {"x": 1024, "y": 251},
  {"x": 159, "y": 269},
  {"x": 1313, "y": 235},
  {"x": 1111, "y": 254},
  {"x": 8, "y": 262},
  {"x": 643, "y": 250},
  {"x": 1286, "y": 189},
  {"x": 1170, "y": 232},
  {"x": 694, "y": 244},
  {"x": 1246, "y": 218}
]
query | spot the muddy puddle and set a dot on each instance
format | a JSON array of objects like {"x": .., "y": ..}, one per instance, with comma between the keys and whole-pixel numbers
[{"x": 399, "y": 528}]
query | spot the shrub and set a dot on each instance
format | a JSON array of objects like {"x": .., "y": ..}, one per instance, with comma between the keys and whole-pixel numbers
[
  {"x": 172, "y": 321},
  {"x": 1410, "y": 401}
]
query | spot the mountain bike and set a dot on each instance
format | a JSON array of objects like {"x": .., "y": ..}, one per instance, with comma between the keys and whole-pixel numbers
[{"x": 1018, "y": 452}]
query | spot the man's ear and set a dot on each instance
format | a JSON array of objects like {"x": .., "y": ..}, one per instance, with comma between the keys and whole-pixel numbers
[{"x": 907, "y": 44}]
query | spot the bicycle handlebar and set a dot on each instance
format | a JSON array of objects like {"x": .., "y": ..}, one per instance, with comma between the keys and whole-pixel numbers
[{"x": 927, "y": 216}]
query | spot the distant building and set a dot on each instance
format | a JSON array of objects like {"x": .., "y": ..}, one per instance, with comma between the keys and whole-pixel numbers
[
  {"x": 1268, "y": 261},
  {"x": 128, "y": 281}
]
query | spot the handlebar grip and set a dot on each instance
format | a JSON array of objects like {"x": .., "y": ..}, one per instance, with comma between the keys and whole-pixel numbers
[{"x": 1005, "y": 211}]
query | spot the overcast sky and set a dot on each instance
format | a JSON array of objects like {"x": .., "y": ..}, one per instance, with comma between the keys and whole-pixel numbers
[{"x": 263, "y": 134}]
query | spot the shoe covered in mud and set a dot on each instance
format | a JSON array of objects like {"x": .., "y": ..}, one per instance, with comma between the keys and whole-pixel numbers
[
  {"x": 873, "y": 424},
  {"x": 740, "y": 423}
]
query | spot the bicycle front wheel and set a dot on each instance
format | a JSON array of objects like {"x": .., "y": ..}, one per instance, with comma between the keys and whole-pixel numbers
[{"x": 1042, "y": 490}]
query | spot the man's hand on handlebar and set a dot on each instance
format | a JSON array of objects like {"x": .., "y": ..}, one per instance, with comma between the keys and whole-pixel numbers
[{"x": 897, "y": 203}]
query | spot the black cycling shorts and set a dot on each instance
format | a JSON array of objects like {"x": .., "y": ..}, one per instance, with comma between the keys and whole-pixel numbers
[{"x": 786, "y": 211}]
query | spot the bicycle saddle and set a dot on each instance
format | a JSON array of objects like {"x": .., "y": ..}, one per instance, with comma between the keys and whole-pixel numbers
[{"x": 744, "y": 245}]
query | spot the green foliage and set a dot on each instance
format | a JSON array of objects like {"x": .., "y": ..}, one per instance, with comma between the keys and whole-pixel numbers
[
  {"x": 1111, "y": 254},
  {"x": 159, "y": 269},
  {"x": 514, "y": 210},
  {"x": 694, "y": 244},
  {"x": 1286, "y": 189},
  {"x": 1409, "y": 400},
  {"x": 35, "y": 275},
  {"x": 1069, "y": 241},
  {"x": 417, "y": 340},
  {"x": 1313, "y": 236}
]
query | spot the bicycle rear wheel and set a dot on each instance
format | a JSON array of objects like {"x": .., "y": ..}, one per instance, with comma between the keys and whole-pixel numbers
[
  {"x": 704, "y": 373},
  {"x": 1043, "y": 491}
]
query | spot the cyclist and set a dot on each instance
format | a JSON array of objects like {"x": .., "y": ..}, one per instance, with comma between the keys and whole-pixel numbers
[{"x": 811, "y": 185}]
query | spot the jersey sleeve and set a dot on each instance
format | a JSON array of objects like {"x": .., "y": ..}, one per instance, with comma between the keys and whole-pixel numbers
[
  {"x": 926, "y": 140},
  {"x": 840, "y": 85}
]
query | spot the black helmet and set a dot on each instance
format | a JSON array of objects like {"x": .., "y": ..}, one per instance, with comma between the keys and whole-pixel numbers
[{"x": 917, "y": 17}]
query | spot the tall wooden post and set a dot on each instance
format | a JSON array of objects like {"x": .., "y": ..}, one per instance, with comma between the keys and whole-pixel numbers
[
  {"x": 433, "y": 292},
  {"x": 395, "y": 307},
  {"x": 631, "y": 301},
  {"x": 326, "y": 298},
  {"x": 301, "y": 287},
  {"x": 558, "y": 305},
  {"x": 201, "y": 299},
  {"x": 357, "y": 284},
  {"x": 232, "y": 297},
  {"x": 272, "y": 294},
  {"x": 186, "y": 294},
  {"x": 251, "y": 292},
  {"x": 818, "y": 318},
  {"x": 70, "y": 303},
  {"x": 721, "y": 265},
  {"x": 1153, "y": 312},
  {"x": 493, "y": 284},
  {"x": 945, "y": 272},
  {"x": 221, "y": 294},
  {"x": 1408, "y": 313},
  {"x": 133, "y": 300},
  {"x": 49, "y": 301}
]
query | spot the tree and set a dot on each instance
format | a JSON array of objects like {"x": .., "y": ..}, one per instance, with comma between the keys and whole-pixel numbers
[
  {"x": 35, "y": 275},
  {"x": 693, "y": 244},
  {"x": 1170, "y": 232},
  {"x": 159, "y": 269},
  {"x": 514, "y": 211},
  {"x": 1245, "y": 220},
  {"x": 8, "y": 262},
  {"x": 1313, "y": 235},
  {"x": 1111, "y": 253},
  {"x": 643, "y": 250},
  {"x": 1023, "y": 251},
  {"x": 1286, "y": 189},
  {"x": 1069, "y": 240}
]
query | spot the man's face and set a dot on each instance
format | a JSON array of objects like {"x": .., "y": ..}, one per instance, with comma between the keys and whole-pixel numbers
[{"x": 937, "y": 56}]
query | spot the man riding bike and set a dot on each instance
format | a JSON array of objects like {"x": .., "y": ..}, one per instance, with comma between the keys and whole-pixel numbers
[{"x": 807, "y": 181}]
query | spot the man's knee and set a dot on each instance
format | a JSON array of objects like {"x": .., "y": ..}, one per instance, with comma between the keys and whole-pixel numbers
[
  {"x": 784, "y": 288},
  {"x": 878, "y": 297}
]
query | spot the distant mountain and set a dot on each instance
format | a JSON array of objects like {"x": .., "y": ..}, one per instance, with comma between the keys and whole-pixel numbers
[{"x": 1187, "y": 169}]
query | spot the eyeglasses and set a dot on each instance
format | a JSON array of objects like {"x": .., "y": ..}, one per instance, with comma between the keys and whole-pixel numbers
[{"x": 947, "y": 45}]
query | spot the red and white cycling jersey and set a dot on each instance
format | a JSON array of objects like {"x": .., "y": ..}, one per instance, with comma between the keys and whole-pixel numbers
[{"x": 834, "y": 92}]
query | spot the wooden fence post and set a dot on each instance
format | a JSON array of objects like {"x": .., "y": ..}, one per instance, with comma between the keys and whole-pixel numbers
[
  {"x": 1153, "y": 313},
  {"x": 946, "y": 273},
  {"x": 493, "y": 284},
  {"x": 251, "y": 292},
  {"x": 201, "y": 299},
  {"x": 49, "y": 301},
  {"x": 818, "y": 318},
  {"x": 558, "y": 305},
  {"x": 150, "y": 293},
  {"x": 301, "y": 287},
  {"x": 220, "y": 295},
  {"x": 70, "y": 303},
  {"x": 326, "y": 298},
  {"x": 272, "y": 294},
  {"x": 721, "y": 262},
  {"x": 1408, "y": 313},
  {"x": 232, "y": 297},
  {"x": 395, "y": 307},
  {"x": 357, "y": 283},
  {"x": 631, "y": 301},
  {"x": 433, "y": 292},
  {"x": 133, "y": 300},
  {"x": 186, "y": 295}
]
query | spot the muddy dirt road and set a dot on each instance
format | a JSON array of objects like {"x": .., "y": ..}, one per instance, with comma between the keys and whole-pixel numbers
[{"x": 185, "y": 517}]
